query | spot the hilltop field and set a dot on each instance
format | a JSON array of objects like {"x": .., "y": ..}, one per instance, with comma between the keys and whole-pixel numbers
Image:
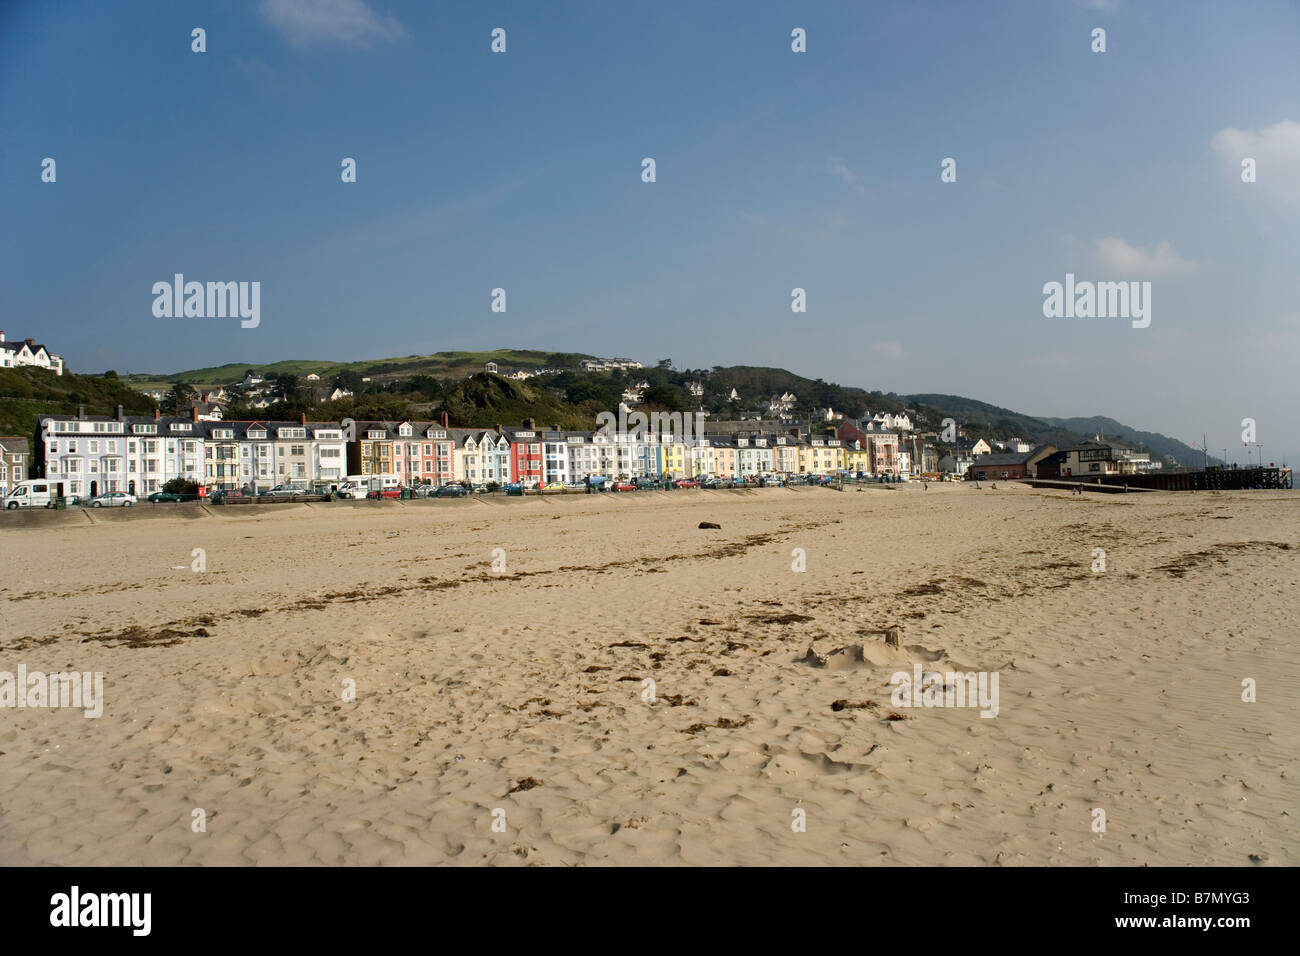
[{"x": 516, "y": 695}]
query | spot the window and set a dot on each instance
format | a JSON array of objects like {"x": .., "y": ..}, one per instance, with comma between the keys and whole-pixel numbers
[
  {"x": 94, "y": 447},
  {"x": 72, "y": 446}
]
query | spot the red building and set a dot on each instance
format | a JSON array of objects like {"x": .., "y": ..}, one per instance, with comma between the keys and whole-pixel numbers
[{"x": 525, "y": 453}]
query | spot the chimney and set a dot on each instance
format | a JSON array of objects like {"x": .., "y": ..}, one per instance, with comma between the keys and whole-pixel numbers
[
  {"x": 498, "y": 428},
  {"x": 194, "y": 413},
  {"x": 156, "y": 413},
  {"x": 2, "y": 335},
  {"x": 119, "y": 414},
  {"x": 302, "y": 417},
  {"x": 81, "y": 412},
  {"x": 442, "y": 418},
  {"x": 30, "y": 342},
  {"x": 530, "y": 424}
]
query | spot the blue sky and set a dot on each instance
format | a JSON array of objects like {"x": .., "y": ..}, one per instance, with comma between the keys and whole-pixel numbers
[{"x": 775, "y": 170}]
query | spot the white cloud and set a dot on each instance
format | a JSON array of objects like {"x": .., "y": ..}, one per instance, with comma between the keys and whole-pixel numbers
[
  {"x": 889, "y": 350},
  {"x": 307, "y": 23},
  {"x": 1275, "y": 149},
  {"x": 840, "y": 169},
  {"x": 1119, "y": 258}
]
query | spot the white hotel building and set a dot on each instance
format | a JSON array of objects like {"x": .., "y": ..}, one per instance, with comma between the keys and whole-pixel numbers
[{"x": 91, "y": 455}]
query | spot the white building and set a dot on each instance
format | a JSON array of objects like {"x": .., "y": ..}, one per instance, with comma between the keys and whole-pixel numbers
[{"x": 28, "y": 353}]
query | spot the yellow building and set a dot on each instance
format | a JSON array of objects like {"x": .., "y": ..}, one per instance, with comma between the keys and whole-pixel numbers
[
  {"x": 821, "y": 456},
  {"x": 674, "y": 460},
  {"x": 856, "y": 460}
]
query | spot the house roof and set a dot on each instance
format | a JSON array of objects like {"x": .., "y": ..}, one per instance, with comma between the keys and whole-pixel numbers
[
  {"x": 13, "y": 444},
  {"x": 1015, "y": 458}
]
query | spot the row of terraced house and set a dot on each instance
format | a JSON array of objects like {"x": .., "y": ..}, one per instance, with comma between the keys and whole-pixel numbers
[{"x": 91, "y": 455}]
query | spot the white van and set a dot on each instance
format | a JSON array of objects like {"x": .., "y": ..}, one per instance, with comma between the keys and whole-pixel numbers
[
  {"x": 33, "y": 493},
  {"x": 359, "y": 486}
]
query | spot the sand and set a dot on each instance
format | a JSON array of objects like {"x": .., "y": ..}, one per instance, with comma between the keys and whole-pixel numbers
[{"x": 516, "y": 697}]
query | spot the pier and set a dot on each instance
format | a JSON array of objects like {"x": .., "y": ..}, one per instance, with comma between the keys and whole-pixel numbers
[{"x": 1210, "y": 479}]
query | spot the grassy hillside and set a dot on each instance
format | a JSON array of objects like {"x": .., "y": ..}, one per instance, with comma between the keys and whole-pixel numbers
[
  {"x": 28, "y": 393},
  {"x": 487, "y": 400},
  {"x": 439, "y": 365}
]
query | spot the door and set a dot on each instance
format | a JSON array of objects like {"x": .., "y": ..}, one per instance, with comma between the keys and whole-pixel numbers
[{"x": 94, "y": 489}]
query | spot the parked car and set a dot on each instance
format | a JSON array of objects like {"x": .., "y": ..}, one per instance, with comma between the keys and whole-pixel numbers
[
  {"x": 158, "y": 496},
  {"x": 686, "y": 483},
  {"x": 647, "y": 484},
  {"x": 114, "y": 499},
  {"x": 450, "y": 491},
  {"x": 284, "y": 491},
  {"x": 625, "y": 486},
  {"x": 389, "y": 493}
]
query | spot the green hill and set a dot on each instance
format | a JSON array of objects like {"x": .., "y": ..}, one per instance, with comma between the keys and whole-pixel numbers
[
  {"x": 486, "y": 400},
  {"x": 28, "y": 393},
  {"x": 439, "y": 365}
]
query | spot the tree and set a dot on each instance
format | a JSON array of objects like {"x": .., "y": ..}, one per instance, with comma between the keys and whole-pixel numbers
[
  {"x": 181, "y": 486},
  {"x": 669, "y": 397},
  {"x": 179, "y": 399},
  {"x": 348, "y": 380},
  {"x": 665, "y": 364},
  {"x": 284, "y": 386}
]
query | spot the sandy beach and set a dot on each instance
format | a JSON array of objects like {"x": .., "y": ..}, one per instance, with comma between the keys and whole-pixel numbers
[{"x": 517, "y": 696}]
